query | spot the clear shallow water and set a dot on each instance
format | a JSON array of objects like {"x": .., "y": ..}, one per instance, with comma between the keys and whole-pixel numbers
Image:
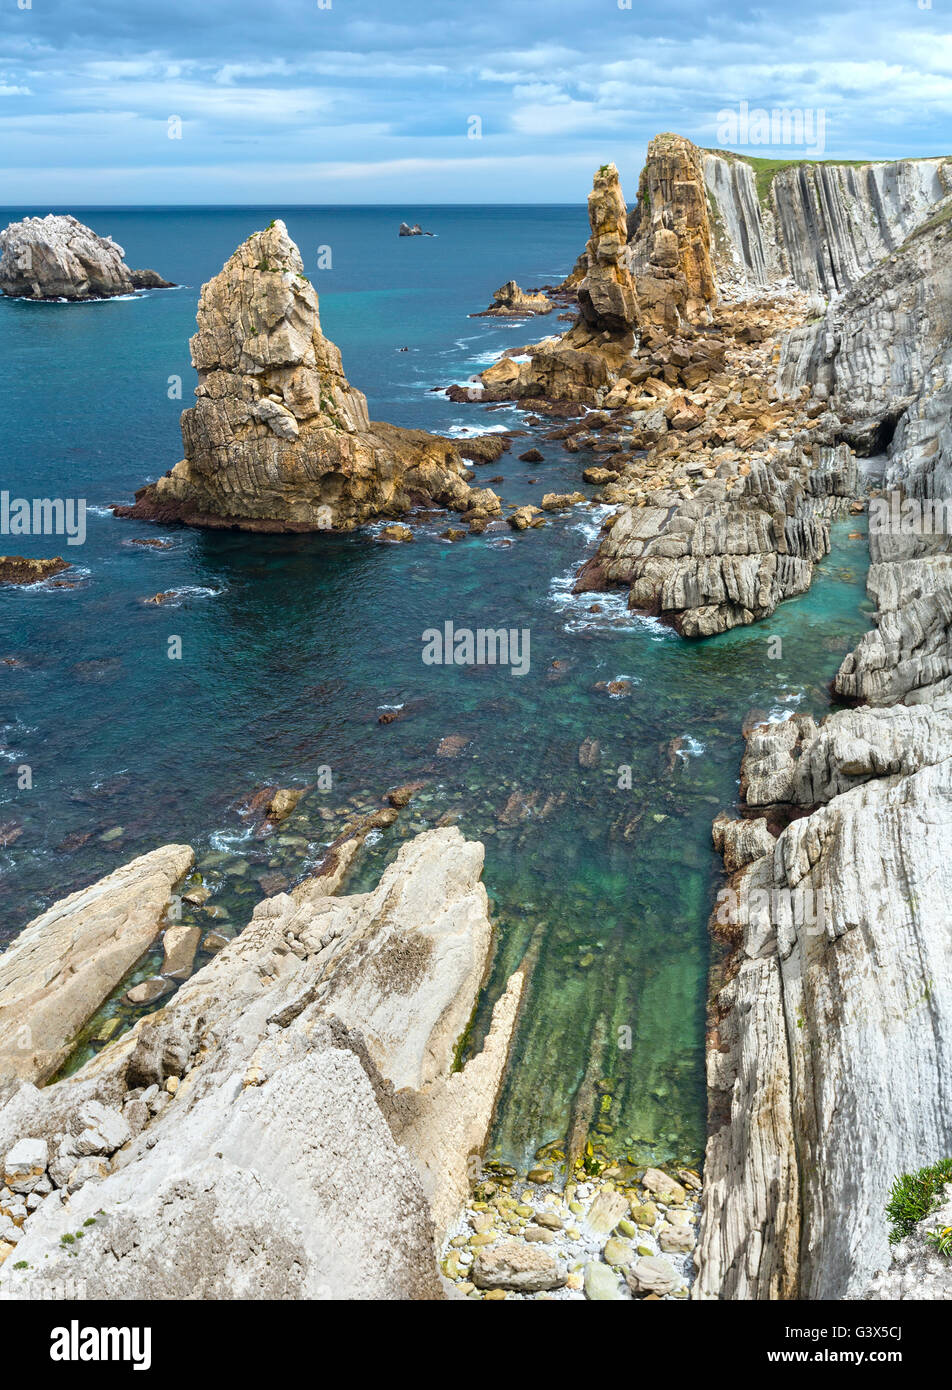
[{"x": 293, "y": 646}]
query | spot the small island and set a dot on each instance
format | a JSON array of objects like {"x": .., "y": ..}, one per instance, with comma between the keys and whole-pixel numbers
[{"x": 58, "y": 258}]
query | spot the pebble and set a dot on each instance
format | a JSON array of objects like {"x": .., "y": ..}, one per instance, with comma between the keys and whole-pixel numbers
[{"x": 513, "y": 1214}]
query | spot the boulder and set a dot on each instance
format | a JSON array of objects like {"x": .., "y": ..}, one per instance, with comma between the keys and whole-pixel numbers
[{"x": 523, "y": 1268}]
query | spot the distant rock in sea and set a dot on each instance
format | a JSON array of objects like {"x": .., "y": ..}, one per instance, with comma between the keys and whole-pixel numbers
[
  {"x": 56, "y": 257},
  {"x": 415, "y": 230},
  {"x": 511, "y": 302},
  {"x": 278, "y": 439}
]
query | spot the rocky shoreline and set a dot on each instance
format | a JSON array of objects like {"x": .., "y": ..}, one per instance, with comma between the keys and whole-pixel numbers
[
  {"x": 294, "y": 1107},
  {"x": 297, "y": 1103}
]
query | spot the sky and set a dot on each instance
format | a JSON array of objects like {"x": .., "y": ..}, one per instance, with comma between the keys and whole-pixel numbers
[{"x": 429, "y": 101}]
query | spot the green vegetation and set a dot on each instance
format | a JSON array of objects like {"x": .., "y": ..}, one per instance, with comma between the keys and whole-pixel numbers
[
  {"x": 939, "y": 1240},
  {"x": 766, "y": 170},
  {"x": 21, "y": 1264},
  {"x": 913, "y": 1196}
]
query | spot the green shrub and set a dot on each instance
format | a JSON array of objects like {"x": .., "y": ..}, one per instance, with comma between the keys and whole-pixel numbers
[
  {"x": 913, "y": 1196},
  {"x": 939, "y": 1240}
]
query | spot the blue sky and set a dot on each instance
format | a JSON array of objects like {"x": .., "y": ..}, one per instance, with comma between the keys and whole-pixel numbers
[{"x": 373, "y": 100}]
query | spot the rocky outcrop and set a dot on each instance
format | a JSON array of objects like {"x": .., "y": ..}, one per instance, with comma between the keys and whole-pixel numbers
[
  {"x": 584, "y": 363},
  {"x": 415, "y": 230},
  {"x": 830, "y": 1044},
  {"x": 56, "y": 257},
  {"x": 821, "y": 226},
  {"x": 732, "y": 551},
  {"x": 291, "y": 1123},
  {"x": 21, "y": 569},
  {"x": 509, "y": 301},
  {"x": 670, "y": 235},
  {"x": 64, "y": 963},
  {"x": 278, "y": 439},
  {"x": 606, "y": 295}
]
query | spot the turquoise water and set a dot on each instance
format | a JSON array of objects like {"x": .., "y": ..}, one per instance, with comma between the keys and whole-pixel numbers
[{"x": 294, "y": 646}]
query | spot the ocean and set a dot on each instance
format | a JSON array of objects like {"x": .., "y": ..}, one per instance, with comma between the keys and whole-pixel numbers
[{"x": 293, "y": 646}]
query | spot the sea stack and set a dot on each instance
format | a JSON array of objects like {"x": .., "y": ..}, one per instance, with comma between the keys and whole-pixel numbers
[
  {"x": 57, "y": 257},
  {"x": 607, "y": 295},
  {"x": 278, "y": 439},
  {"x": 586, "y": 361}
]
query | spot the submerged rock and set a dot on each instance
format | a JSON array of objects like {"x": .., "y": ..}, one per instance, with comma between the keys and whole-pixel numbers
[
  {"x": 278, "y": 439},
  {"x": 57, "y": 257}
]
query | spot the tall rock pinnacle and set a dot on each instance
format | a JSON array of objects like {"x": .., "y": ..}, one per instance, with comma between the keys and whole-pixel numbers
[
  {"x": 278, "y": 439},
  {"x": 607, "y": 296}
]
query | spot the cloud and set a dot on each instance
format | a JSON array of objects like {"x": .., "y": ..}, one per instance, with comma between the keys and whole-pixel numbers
[{"x": 389, "y": 91}]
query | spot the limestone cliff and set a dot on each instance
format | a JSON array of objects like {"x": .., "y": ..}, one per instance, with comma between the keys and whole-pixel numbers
[
  {"x": 820, "y": 225},
  {"x": 290, "y": 1124},
  {"x": 57, "y": 257},
  {"x": 830, "y": 1043},
  {"x": 278, "y": 439}
]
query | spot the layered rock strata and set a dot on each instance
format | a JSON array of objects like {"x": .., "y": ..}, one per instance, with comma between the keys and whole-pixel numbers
[
  {"x": 66, "y": 962},
  {"x": 57, "y": 257},
  {"x": 278, "y": 439},
  {"x": 821, "y": 226},
  {"x": 731, "y": 551},
  {"x": 830, "y": 1041},
  {"x": 509, "y": 301},
  {"x": 291, "y": 1124},
  {"x": 670, "y": 235},
  {"x": 584, "y": 363}
]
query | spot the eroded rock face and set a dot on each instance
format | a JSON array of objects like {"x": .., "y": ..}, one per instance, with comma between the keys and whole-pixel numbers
[
  {"x": 830, "y": 1027},
  {"x": 670, "y": 251},
  {"x": 509, "y": 301},
  {"x": 823, "y": 226},
  {"x": 278, "y": 438},
  {"x": 585, "y": 362},
  {"x": 65, "y": 962},
  {"x": 57, "y": 257},
  {"x": 728, "y": 554},
  {"x": 606, "y": 295},
  {"x": 838, "y": 991},
  {"x": 297, "y": 1129}
]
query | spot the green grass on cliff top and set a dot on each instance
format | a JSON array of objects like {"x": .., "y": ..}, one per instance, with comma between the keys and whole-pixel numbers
[{"x": 766, "y": 170}]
